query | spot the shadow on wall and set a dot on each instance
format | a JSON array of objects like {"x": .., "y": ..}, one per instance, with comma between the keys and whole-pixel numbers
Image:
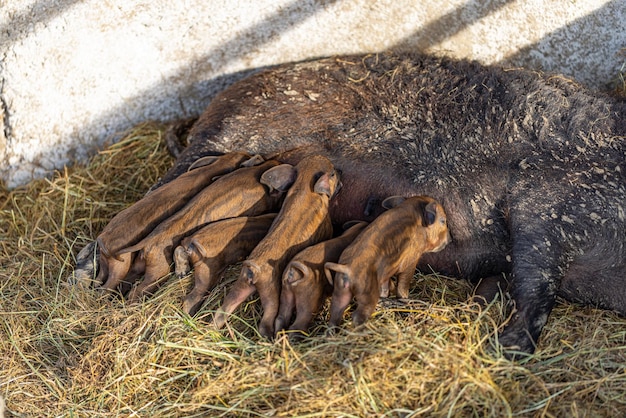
[
  {"x": 450, "y": 24},
  {"x": 579, "y": 58},
  {"x": 237, "y": 47},
  {"x": 16, "y": 26},
  {"x": 431, "y": 34},
  {"x": 565, "y": 50},
  {"x": 201, "y": 88},
  {"x": 40, "y": 13}
]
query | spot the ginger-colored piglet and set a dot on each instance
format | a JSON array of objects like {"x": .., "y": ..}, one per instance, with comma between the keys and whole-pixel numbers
[
  {"x": 305, "y": 286},
  {"x": 215, "y": 247},
  {"x": 391, "y": 245},
  {"x": 137, "y": 221},
  {"x": 244, "y": 192},
  {"x": 302, "y": 221}
]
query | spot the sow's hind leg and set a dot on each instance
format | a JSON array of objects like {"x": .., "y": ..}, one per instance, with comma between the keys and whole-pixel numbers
[{"x": 538, "y": 262}]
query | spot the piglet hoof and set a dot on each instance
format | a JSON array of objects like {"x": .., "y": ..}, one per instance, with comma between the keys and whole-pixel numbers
[
  {"x": 191, "y": 305},
  {"x": 266, "y": 331},
  {"x": 135, "y": 295},
  {"x": 295, "y": 336},
  {"x": 219, "y": 319}
]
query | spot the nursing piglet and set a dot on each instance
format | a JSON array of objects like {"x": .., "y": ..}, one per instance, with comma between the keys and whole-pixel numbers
[
  {"x": 213, "y": 248},
  {"x": 135, "y": 222},
  {"x": 305, "y": 286},
  {"x": 391, "y": 245},
  {"x": 302, "y": 221},
  {"x": 248, "y": 191}
]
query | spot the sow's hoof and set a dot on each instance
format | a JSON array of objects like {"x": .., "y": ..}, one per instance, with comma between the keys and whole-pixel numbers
[{"x": 516, "y": 343}]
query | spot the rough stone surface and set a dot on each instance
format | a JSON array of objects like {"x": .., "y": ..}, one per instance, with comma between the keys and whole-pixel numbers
[{"x": 75, "y": 73}]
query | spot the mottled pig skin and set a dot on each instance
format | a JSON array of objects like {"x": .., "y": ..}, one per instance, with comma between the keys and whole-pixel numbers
[
  {"x": 215, "y": 247},
  {"x": 302, "y": 221},
  {"x": 391, "y": 245},
  {"x": 304, "y": 283},
  {"x": 243, "y": 192},
  {"x": 138, "y": 220},
  {"x": 530, "y": 167}
]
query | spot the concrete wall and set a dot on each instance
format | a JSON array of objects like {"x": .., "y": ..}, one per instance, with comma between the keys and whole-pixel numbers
[{"x": 74, "y": 73}]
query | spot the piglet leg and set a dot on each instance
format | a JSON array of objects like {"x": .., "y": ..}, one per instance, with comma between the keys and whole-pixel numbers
[
  {"x": 240, "y": 291},
  {"x": 338, "y": 305},
  {"x": 269, "y": 293},
  {"x": 152, "y": 279},
  {"x": 405, "y": 278},
  {"x": 117, "y": 270},
  {"x": 285, "y": 312},
  {"x": 204, "y": 281}
]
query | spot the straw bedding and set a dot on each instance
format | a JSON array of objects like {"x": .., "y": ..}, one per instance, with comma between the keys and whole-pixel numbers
[{"x": 68, "y": 351}]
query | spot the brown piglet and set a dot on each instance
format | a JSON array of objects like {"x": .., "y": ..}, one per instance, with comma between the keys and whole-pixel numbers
[
  {"x": 304, "y": 286},
  {"x": 248, "y": 191},
  {"x": 302, "y": 221},
  {"x": 391, "y": 245},
  {"x": 137, "y": 221},
  {"x": 213, "y": 248}
]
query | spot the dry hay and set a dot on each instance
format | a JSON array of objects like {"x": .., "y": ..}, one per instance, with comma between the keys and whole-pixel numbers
[{"x": 66, "y": 351}]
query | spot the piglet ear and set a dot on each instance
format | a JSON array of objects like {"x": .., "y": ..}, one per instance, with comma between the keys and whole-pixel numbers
[
  {"x": 329, "y": 267},
  {"x": 249, "y": 272},
  {"x": 251, "y": 162},
  {"x": 349, "y": 224},
  {"x": 328, "y": 272},
  {"x": 201, "y": 162},
  {"x": 393, "y": 201},
  {"x": 279, "y": 178},
  {"x": 198, "y": 246},
  {"x": 327, "y": 184},
  {"x": 322, "y": 185},
  {"x": 430, "y": 214},
  {"x": 296, "y": 271}
]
